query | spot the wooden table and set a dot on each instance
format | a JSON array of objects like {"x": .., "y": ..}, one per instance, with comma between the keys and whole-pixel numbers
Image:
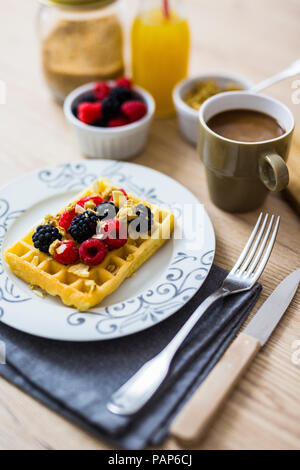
[{"x": 255, "y": 38}]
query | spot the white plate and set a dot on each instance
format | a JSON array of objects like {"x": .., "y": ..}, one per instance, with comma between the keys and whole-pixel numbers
[{"x": 159, "y": 288}]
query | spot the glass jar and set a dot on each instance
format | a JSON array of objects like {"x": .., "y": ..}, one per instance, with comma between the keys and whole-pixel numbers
[
  {"x": 160, "y": 43},
  {"x": 81, "y": 41}
]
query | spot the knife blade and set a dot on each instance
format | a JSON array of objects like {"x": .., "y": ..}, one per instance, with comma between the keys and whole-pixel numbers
[
  {"x": 268, "y": 316},
  {"x": 190, "y": 425}
]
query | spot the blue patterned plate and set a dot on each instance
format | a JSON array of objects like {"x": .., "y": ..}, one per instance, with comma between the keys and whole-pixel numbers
[{"x": 159, "y": 288}]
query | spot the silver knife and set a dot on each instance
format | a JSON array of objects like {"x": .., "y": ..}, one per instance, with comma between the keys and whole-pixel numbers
[
  {"x": 271, "y": 312},
  {"x": 193, "y": 420}
]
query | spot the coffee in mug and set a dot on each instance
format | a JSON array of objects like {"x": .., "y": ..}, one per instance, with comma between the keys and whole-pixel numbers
[
  {"x": 245, "y": 125},
  {"x": 244, "y": 141}
]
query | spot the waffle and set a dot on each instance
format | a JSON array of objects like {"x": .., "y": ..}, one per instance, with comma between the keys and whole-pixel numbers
[{"x": 79, "y": 285}]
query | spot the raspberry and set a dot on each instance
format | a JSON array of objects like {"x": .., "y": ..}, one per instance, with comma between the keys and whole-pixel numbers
[
  {"x": 113, "y": 230},
  {"x": 66, "y": 252},
  {"x": 134, "y": 110},
  {"x": 66, "y": 219},
  {"x": 101, "y": 90},
  {"x": 118, "y": 122},
  {"x": 124, "y": 82},
  {"x": 123, "y": 191},
  {"x": 83, "y": 226},
  {"x": 96, "y": 200},
  {"x": 44, "y": 236},
  {"x": 89, "y": 112},
  {"x": 92, "y": 251}
]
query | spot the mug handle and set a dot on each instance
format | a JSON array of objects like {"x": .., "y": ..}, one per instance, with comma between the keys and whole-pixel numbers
[{"x": 273, "y": 172}]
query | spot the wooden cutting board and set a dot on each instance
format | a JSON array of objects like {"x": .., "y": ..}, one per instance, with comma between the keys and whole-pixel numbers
[{"x": 293, "y": 191}]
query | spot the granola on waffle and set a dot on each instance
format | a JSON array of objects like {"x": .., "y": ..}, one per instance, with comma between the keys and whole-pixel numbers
[{"x": 91, "y": 246}]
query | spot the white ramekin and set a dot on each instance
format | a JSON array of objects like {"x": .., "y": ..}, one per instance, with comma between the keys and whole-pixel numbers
[
  {"x": 188, "y": 117},
  {"x": 118, "y": 143}
]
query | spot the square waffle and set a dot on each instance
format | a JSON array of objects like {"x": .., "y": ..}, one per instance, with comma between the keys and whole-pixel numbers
[{"x": 82, "y": 286}]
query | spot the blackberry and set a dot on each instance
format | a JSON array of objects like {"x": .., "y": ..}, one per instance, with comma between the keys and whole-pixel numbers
[
  {"x": 83, "y": 226},
  {"x": 110, "y": 107},
  {"x": 121, "y": 94},
  {"x": 144, "y": 220},
  {"x": 107, "y": 210},
  {"x": 137, "y": 97},
  {"x": 44, "y": 236},
  {"x": 99, "y": 123}
]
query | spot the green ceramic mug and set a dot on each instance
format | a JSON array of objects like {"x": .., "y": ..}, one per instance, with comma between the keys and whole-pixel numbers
[{"x": 240, "y": 174}]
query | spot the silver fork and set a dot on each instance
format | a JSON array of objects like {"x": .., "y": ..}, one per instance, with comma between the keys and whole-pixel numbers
[{"x": 135, "y": 393}]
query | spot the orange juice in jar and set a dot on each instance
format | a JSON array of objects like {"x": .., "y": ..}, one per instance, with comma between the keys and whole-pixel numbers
[{"x": 160, "y": 41}]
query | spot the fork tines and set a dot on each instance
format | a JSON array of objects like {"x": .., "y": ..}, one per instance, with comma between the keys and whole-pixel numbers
[{"x": 258, "y": 249}]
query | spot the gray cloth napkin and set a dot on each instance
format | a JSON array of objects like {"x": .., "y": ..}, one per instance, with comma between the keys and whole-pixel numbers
[{"x": 76, "y": 380}]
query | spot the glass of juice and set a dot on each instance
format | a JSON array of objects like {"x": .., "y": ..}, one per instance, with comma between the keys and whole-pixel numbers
[{"x": 160, "y": 42}]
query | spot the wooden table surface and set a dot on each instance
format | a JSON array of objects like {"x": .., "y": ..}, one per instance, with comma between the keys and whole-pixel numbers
[{"x": 255, "y": 38}]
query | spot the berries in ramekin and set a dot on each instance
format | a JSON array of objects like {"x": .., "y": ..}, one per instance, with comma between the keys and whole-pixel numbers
[
  {"x": 66, "y": 252},
  {"x": 121, "y": 94},
  {"x": 118, "y": 122},
  {"x": 134, "y": 110},
  {"x": 115, "y": 234},
  {"x": 111, "y": 105},
  {"x": 89, "y": 112},
  {"x": 92, "y": 252},
  {"x": 101, "y": 90},
  {"x": 124, "y": 82}
]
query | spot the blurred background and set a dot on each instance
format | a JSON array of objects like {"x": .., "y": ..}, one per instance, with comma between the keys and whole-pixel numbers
[{"x": 227, "y": 35}]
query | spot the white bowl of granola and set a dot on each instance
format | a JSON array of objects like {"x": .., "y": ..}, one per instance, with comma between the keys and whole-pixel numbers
[{"x": 188, "y": 115}]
